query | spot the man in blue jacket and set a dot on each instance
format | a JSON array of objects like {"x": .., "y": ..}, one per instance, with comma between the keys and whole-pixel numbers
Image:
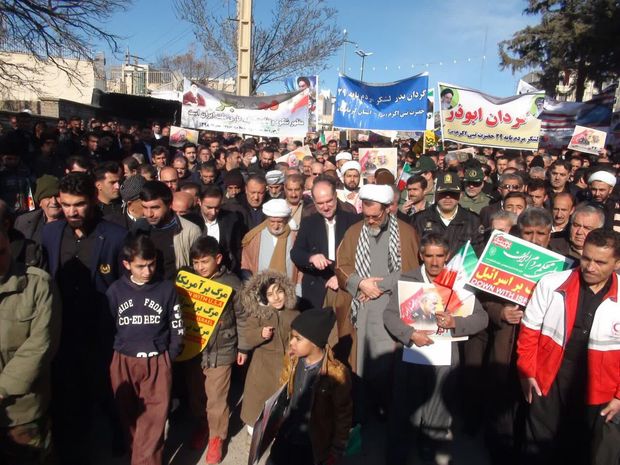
[{"x": 83, "y": 256}]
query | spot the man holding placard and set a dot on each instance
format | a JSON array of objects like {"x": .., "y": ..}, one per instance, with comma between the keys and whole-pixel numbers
[{"x": 568, "y": 353}]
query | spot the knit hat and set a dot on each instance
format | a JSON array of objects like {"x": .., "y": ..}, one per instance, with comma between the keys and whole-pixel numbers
[
  {"x": 315, "y": 325},
  {"x": 233, "y": 178},
  {"x": 47, "y": 186},
  {"x": 131, "y": 187}
]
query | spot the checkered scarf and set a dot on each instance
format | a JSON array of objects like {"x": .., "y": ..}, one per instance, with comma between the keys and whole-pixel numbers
[{"x": 362, "y": 258}]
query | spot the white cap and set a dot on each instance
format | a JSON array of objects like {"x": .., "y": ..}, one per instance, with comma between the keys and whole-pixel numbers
[
  {"x": 344, "y": 156},
  {"x": 603, "y": 176},
  {"x": 377, "y": 193},
  {"x": 277, "y": 208},
  {"x": 351, "y": 165}
]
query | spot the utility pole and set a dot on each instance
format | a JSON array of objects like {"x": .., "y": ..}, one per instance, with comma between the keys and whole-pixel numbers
[
  {"x": 244, "y": 47},
  {"x": 344, "y": 52}
]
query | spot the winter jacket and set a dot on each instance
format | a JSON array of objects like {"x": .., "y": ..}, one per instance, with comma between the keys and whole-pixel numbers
[
  {"x": 229, "y": 333},
  {"x": 332, "y": 405},
  {"x": 30, "y": 323},
  {"x": 546, "y": 329},
  {"x": 267, "y": 360}
]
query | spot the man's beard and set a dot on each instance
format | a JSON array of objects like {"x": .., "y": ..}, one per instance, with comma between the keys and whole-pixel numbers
[{"x": 374, "y": 231}]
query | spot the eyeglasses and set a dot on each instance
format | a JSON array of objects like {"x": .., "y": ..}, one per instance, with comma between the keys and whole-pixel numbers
[
  {"x": 473, "y": 183},
  {"x": 316, "y": 174},
  {"x": 511, "y": 187}
]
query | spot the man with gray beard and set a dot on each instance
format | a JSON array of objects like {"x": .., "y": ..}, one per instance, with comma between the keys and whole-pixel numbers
[{"x": 369, "y": 261}]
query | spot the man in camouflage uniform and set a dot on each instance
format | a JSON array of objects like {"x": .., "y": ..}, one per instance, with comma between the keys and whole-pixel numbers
[{"x": 473, "y": 183}]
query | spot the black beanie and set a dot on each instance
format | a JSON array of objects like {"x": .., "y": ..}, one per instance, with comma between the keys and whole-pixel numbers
[{"x": 315, "y": 325}]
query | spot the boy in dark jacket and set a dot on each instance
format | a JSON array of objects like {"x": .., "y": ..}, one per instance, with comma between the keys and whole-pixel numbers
[
  {"x": 318, "y": 419},
  {"x": 225, "y": 346},
  {"x": 149, "y": 335}
]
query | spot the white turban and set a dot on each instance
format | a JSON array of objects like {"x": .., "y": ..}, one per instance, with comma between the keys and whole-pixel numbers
[
  {"x": 603, "y": 176},
  {"x": 277, "y": 208},
  {"x": 351, "y": 165},
  {"x": 344, "y": 156},
  {"x": 377, "y": 193},
  {"x": 274, "y": 177}
]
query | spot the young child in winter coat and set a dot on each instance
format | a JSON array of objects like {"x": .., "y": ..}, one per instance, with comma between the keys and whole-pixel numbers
[
  {"x": 149, "y": 336},
  {"x": 224, "y": 348},
  {"x": 318, "y": 418},
  {"x": 269, "y": 300}
]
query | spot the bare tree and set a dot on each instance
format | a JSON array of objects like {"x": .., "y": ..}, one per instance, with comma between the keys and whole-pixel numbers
[
  {"x": 189, "y": 64},
  {"x": 52, "y": 31},
  {"x": 300, "y": 38}
]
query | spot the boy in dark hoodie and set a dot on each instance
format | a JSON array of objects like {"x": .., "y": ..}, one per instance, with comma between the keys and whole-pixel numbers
[
  {"x": 149, "y": 336},
  {"x": 318, "y": 418},
  {"x": 225, "y": 347}
]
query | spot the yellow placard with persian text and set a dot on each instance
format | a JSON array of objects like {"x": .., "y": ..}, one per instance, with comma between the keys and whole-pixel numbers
[{"x": 202, "y": 303}]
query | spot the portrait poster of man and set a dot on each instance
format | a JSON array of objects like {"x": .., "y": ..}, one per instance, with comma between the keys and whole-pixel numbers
[{"x": 419, "y": 303}]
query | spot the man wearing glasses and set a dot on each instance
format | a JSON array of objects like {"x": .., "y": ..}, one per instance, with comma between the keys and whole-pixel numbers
[
  {"x": 509, "y": 182},
  {"x": 474, "y": 199}
]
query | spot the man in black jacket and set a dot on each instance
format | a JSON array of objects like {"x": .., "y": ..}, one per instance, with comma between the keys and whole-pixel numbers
[
  {"x": 225, "y": 226},
  {"x": 314, "y": 251},
  {"x": 445, "y": 216}
]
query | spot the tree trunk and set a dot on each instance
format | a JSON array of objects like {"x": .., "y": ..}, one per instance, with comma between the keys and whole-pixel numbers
[{"x": 580, "y": 82}]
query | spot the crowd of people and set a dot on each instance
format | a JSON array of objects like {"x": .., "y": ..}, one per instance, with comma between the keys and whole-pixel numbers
[{"x": 97, "y": 219}]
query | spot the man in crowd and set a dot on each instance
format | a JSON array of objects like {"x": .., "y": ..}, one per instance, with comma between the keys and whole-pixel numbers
[
  {"x": 293, "y": 193},
  {"x": 314, "y": 251},
  {"x": 30, "y": 313},
  {"x": 265, "y": 161},
  {"x": 268, "y": 245},
  {"x": 601, "y": 185},
  {"x": 223, "y": 225},
  {"x": 446, "y": 217},
  {"x": 46, "y": 197},
  {"x": 585, "y": 219},
  {"x": 559, "y": 173},
  {"x": 474, "y": 199},
  {"x": 107, "y": 182},
  {"x": 132, "y": 206},
  {"x": 564, "y": 350},
  {"x": 252, "y": 202},
  {"x": 170, "y": 177},
  {"x": 275, "y": 184},
  {"x": 416, "y": 200},
  {"x": 508, "y": 182},
  {"x": 165, "y": 228},
  {"x": 562, "y": 207},
  {"x": 83, "y": 256},
  {"x": 369, "y": 261},
  {"x": 537, "y": 191},
  {"x": 427, "y": 168}
]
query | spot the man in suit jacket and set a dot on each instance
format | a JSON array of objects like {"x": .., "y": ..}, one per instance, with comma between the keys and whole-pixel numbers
[
  {"x": 318, "y": 239},
  {"x": 225, "y": 226},
  {"x": 83, "y": 256}
]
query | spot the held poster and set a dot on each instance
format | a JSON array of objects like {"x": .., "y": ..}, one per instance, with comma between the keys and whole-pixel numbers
[
  {"x": 283, "y": 115},
  {"x": 587, "y": 140},
  {"x": 400, "y": 106},
  {"x": 202, "y": 302},
  {"x": 510, "y": 267},
  {"x": 470, "y": 117}
]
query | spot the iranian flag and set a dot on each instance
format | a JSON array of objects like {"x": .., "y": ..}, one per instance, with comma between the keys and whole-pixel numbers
[
  {"x": 322, "y": 140},
  {"x": 455, "y": 275},
  {"x": 404, "y": 175}
]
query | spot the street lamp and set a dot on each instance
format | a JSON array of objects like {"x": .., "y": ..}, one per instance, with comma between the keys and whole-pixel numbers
[
  {"x": 363, "y": 55},
  {"x": 344, "y": 51}
]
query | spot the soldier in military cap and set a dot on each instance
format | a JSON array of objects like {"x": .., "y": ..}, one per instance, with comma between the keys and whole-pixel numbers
[
  {"x": 445, "y": 217},
  {"x": 473, "y": 182},
  {"x": 426, "y": 167}
]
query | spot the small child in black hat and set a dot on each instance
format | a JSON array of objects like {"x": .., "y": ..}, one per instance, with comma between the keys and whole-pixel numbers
[{"x": 318, "y": 420}]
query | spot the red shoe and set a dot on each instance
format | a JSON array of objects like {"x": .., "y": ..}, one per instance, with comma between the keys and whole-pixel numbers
[
  {"x": 200, "y": 436},
  {"x": 214, "y": 452}
]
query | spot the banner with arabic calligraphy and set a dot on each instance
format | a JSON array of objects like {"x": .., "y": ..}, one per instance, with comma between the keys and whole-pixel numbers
[
  {"x": 202, "y": 303},
  {"x": 470, "y": 117},
  {"x": 397, "y": 106},
  {"x": 510, "y": 267},
  {"x": 268, "y": 115}
]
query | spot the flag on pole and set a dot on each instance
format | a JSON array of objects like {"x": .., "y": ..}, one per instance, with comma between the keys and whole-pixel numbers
[
  {"x": 459, "y": 268},
  {"x": 404, "y": 175}
]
